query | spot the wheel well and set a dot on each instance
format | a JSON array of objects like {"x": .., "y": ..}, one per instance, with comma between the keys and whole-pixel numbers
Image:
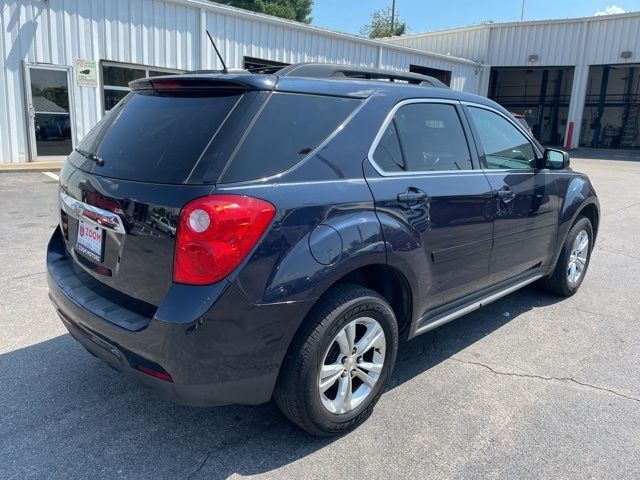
[
  {"x": 591, "y": 212},
  {"x": 390, "y": 284}
]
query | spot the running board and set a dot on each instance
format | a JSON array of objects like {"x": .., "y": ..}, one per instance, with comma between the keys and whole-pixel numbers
[{"x": 474, "y": 306}]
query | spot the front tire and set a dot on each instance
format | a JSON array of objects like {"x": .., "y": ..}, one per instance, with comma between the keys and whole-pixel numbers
[
  {"x": 339, "y": 362},
  {"x": 573, "y": 261}
]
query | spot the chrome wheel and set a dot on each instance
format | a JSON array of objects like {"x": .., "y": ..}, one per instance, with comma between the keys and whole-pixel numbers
[
  {"x": 578, "y": 256},
  {"x": 352, "y": 365}
]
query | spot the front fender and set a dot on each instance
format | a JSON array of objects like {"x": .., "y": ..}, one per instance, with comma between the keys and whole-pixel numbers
[{"x": 578, "y": 194}]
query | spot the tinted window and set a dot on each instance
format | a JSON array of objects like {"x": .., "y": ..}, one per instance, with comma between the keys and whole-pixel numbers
[
  {"x": 504, "y": 145},
  {"x": 155, "y": 138},
  {"x": 287, "y": 130},
  {"x": 388, "y": 154},
  {"x": 121, "y": 76},
  {"x": 112, "y": 97},
  {"x": 432, "y": 138}
]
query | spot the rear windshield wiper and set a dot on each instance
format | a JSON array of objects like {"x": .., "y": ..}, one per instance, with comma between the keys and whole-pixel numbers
[{"x": 91, "y": 156}]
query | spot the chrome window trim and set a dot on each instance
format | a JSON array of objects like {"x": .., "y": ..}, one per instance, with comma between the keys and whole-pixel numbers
[
  {"x": 324, "y": 143},
  {"x": 386, "y": 123},
  {"x": 76, "y": 208}
]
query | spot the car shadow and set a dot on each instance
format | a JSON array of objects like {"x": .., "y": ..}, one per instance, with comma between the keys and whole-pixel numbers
[{"x": 64, "y": 413}]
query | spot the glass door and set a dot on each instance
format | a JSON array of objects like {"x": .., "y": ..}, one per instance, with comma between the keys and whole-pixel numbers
[{"x": 49, "y": 114}]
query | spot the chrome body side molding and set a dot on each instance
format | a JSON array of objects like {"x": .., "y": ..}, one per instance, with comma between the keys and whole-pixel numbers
[{"x": 474, "y": 306}]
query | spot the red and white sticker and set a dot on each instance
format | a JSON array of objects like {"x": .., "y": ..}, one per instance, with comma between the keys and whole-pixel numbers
[{"x": 90, "y": 240}]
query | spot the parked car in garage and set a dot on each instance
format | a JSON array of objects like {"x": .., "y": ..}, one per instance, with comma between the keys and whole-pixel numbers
[{"x": 323, "y": 217}]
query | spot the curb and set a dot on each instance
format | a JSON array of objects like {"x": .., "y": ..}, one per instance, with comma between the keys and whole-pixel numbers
[{"x": 30, "y": 167}]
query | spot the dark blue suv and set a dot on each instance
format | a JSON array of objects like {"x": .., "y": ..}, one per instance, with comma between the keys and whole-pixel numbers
[{"x": 311, "y": 219}]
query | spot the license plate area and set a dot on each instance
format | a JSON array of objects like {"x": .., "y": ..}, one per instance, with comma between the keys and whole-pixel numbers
[{"x": 90, "y": 241}]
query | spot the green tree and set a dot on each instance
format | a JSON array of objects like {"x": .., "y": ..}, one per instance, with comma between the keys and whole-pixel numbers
[
  {"x": 299, "y": 10},
  {"x": 380, "y": 25}
]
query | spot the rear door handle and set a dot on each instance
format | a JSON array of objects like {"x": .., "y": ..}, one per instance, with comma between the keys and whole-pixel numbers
[
  {"x": 506, "y": 194},
  {"x": 412, "y": 195}
]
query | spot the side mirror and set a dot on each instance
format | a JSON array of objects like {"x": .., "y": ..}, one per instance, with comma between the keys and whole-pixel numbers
[{"x": 555, "y": 159}]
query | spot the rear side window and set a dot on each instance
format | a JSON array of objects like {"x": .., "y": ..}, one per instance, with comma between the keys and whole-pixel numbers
[
  {"x": 431, "y": 138},
  {"x": 289, "y": 127},
  {"x": 155, "y": 138}
]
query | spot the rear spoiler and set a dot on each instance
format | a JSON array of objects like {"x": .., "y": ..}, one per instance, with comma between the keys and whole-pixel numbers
[{"x": 205, "y": 82}]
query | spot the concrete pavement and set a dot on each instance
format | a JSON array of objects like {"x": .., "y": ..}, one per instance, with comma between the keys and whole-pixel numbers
[{"x": 532, "y": 386}]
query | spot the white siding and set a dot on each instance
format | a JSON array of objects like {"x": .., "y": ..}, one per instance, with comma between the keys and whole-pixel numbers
[
  {"x": 577, "y": 42},
  {"x": 556, "y": 42},
  {"x": 468, "y": 43},
  {"x": 169, "y": 34}
]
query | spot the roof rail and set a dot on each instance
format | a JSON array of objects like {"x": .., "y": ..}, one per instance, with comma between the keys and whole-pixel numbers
[{"x": 327, "y": 70}]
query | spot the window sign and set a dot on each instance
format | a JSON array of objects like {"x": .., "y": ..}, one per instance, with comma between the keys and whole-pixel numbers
[{"x": 86, "y": 73}]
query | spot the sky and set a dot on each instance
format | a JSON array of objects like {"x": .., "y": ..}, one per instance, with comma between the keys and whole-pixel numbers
[{"x": 427, "y": 15}]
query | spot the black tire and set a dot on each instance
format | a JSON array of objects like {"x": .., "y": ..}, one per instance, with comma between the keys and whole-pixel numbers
[
  {"x": 297, "y": 393},
  {"x": 558, "y": 282}
]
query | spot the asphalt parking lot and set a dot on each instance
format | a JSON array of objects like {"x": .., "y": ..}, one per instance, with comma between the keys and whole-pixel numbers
[{"x": 532, "y": 386}]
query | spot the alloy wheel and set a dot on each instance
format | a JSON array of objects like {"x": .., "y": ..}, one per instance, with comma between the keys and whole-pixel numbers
[
  {"x": 352, "y": 365},
  {"x": 578, "y": 257}
]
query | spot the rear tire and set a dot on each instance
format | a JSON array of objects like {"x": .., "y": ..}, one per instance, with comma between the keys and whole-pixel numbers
[
  {"x": 322, "y": 388},
  {"x": 573, "y": 261}
]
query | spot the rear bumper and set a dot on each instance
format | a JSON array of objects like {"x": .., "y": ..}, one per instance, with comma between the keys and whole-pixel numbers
[{"x": 229, "y": 352}]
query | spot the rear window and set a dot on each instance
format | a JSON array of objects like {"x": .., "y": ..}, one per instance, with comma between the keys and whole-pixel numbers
[
  {"x": 155, "y": 138},
  {"x": 289, "y": 127}
]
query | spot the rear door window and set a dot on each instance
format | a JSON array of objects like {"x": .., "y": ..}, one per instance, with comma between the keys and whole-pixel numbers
[
  {"x": 155, "y": 138},
  {"x": 424, "y": 137},
  {"x": 290, "y": 126},
  {"x": 388, "y": 154}
]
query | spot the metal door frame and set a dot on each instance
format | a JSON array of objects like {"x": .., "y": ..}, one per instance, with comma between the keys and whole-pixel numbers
[{"x": 30, "y": 111}]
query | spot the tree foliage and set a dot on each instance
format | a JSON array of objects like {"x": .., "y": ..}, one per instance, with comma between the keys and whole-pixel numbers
[
  {"x": 299, "y": 10},
  {"x": 380, "y": 25}
]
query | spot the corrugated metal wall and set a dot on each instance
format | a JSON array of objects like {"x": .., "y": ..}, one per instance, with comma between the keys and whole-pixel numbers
[
  {"x": 579, "y": 43},
  {"x": 468, "y": 43},
  {"x": 166, "y": 34},
  {"x": 556, "y": 43}
]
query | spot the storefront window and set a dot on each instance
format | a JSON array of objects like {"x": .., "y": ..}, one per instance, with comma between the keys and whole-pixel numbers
[{"x": 116, "y": 78}]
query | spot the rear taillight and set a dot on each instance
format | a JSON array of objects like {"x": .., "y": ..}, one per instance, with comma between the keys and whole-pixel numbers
[
  {"x": 215, "y": 234},
  {"x": 64, "y": 223}
]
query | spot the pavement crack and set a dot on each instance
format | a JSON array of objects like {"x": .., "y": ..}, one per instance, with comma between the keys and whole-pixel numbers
[
  {"x": 204, "y": 461},
  {"x": 541, "y": 377},
  {"x": 224, "y": 444},
  {"x": 18, "y": 277},
  {"x": 591, "y": 312},
  {"x": 618, "y": 253},
  {"x": 625, "y": 208}
]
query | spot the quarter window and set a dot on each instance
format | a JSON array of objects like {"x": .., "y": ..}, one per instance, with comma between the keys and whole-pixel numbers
[
  {"x": 424, "y": 137},
  {"x": 289, "y": 128},
  {"x": 505, "y": 147}
]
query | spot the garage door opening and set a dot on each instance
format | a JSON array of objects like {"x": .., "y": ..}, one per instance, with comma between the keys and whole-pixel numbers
[
  {"x": 260, "y": 65},
  {"x": 611, "y": 117},
  {"x": 443, "y": 75},
  {"x": 541, "y": 95}
]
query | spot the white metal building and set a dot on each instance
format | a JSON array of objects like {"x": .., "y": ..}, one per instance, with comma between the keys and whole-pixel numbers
[
  {"x": 52, "y": 92},
  {"x": 64, "y": 63},
  {"x": 578, "y": 80}
]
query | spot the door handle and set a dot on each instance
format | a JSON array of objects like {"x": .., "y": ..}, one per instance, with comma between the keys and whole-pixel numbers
[
  {"x": 506, "y": 194},
  {"x": 412, "y": 195}
]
